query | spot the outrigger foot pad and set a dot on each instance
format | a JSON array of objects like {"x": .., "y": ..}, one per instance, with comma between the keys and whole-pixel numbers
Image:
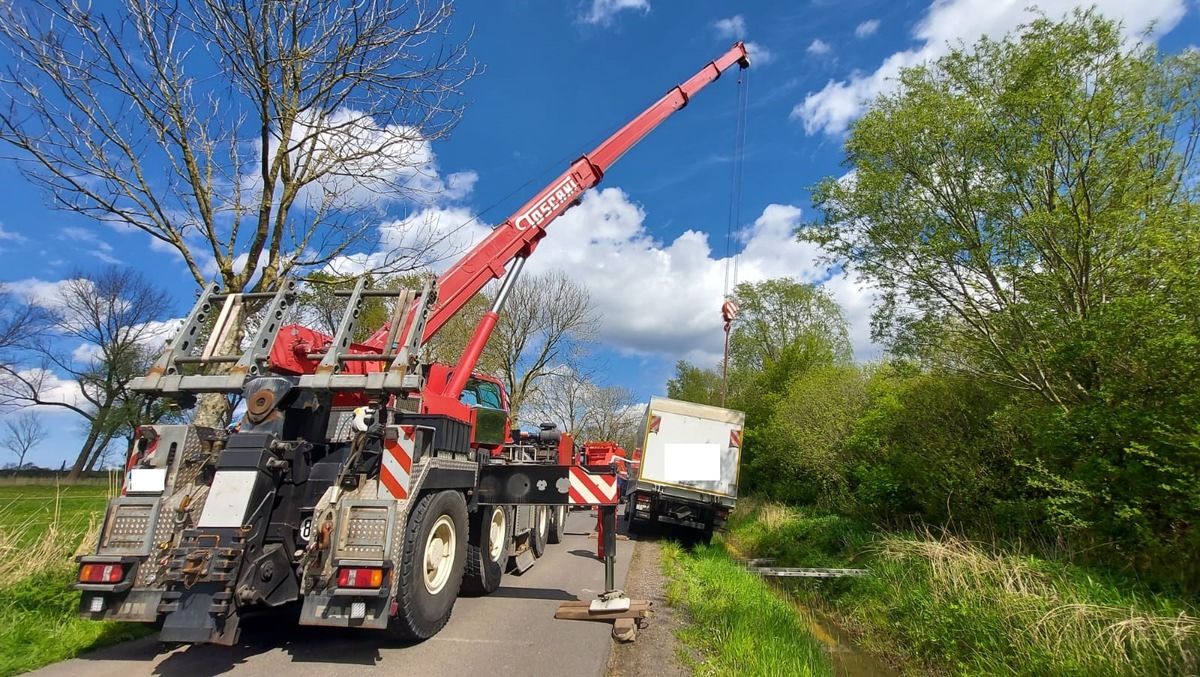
[{"x": 614, "y": 600}]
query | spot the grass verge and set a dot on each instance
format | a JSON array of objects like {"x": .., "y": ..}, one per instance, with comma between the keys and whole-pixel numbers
[
  {"x": 739, "y": 625},
  {"x": 41, "y": 530},
  {"x": 944, "y": 605}
]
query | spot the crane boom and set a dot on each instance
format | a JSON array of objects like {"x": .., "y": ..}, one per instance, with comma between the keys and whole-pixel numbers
[
  {"x": 512, "y": 240},
  {"x": 520, "y": 233}
]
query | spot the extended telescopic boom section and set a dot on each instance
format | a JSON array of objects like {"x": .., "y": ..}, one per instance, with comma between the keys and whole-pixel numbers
[{"x": 518, "y": 236}]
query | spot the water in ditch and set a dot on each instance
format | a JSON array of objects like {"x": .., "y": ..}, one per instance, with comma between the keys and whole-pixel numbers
[{"x": 847, "y": 658}]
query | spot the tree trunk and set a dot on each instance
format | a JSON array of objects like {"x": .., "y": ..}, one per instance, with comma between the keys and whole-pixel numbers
[
  {"x": 97, "y": 452},
  {"x": 85, "y": 453},
  {"x": 211, "y": 410}
]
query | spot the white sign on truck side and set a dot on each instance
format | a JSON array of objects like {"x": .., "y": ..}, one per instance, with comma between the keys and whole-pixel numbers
[{"x": 688, "y": 469}]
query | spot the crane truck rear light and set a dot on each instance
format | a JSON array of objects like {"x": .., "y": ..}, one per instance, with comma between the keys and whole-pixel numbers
[
  {"x": 101, "y": 573},
  {"x": 357, "y": 577}
]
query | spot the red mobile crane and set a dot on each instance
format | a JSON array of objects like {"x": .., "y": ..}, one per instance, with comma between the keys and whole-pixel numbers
[{"x": 358, "y": 481}]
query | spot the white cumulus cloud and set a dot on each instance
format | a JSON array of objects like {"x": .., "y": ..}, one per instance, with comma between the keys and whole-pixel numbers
[
  {"x": 818, "y": 47},
  {"x": 866, "y": 28},
  {"x": 602, "y": 12},
  {"x": 733, "y": 28},
  {"x": 664, "y": 298},
  {"x": 759, "y": 54},
  {"x": 946, "y": 22},
  {"x": 47, "y": 294},
  {"x": 11, "y": 236},
  {"x": 432, "y": 237},
  {"x": 364, "y": 165},
  {"x": 657, "y": 298}
]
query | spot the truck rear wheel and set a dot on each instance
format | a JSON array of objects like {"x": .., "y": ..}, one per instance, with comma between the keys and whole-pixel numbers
[
  {"x": 431, "y": 566},
  {"x": 487, "y": 551},
  {"x": 633, "y": 525},
  {"x": 540, "y": 530},
  {"x": 558, "y": 524}
]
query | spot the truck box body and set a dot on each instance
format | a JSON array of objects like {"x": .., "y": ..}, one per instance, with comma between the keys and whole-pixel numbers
[{"x": 688, "y": 470}]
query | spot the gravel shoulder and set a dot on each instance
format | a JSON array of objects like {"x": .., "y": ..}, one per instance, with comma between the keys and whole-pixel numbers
[{"x": 655, "y": 652}]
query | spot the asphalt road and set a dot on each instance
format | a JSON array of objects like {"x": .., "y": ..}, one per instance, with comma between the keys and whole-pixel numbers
[{"x": 511, "y": 631}]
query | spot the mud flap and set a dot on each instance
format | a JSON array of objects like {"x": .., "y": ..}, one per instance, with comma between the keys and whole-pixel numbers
[{"x": 193, "y": 620}]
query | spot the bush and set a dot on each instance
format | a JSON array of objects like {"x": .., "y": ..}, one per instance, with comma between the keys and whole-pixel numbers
[{"x": 942, "y": 604}]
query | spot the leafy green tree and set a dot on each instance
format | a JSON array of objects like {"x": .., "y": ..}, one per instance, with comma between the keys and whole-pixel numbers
[
  {"x": 695, "y": 384},
  {"x": 996, "y": 195},
  {"x": 784, "y": 328},
  {"x": 1028, "y": 207},
  {"x": 926, "y": 446},
  {"x": 800, "y": 455}
]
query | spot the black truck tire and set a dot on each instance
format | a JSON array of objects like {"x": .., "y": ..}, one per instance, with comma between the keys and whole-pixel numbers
[
  {"x": 431, "y": 565},
  {"x": 540, "y": 530},
  {"x": 633, "y": 524},
  {"x": 558, "y": 524},
  {"x": 487, "y": 550}
]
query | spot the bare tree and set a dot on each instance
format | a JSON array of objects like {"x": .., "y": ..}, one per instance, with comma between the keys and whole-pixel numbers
[
  {"x": 547, "y": 325},
  {"x": 101, "y": 336},
  {"x": 613, "y": 414},
  {"x": 561, "y": 398},
  {"x": 249, "y": 137},
  {"x": 253, "y": 138},
  {"x": 23, "y": 433},
  {"x": 587, "y": 410},
  {"x": 20, "y": 323}
]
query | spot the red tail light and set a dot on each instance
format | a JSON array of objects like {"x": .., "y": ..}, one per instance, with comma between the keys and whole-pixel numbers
[
  {"x": 360, "y": 578},
  {"x": 102, "y": 573}
]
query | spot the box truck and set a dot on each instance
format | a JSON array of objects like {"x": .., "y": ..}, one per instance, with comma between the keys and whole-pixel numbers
[{"x": 687, "y": 471}]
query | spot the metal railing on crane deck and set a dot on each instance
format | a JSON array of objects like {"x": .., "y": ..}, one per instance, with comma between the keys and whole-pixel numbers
[{"x": 199, "y": 358}]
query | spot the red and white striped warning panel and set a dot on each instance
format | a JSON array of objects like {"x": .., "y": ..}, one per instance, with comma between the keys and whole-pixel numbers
[
  {"x": 735, "y": 439},
  {"x": 592, "y": 489},
  {"x": 395, "y": 473}
]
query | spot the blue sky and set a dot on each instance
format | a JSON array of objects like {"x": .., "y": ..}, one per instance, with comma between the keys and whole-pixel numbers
[{"x": 650, "y": 242}]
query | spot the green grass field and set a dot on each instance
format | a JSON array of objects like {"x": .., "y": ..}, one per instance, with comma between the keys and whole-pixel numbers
[
  {"x": 26, "y": 512},
  {"x": 42, "y": 527},
  {"x": 739, "y": 624}
]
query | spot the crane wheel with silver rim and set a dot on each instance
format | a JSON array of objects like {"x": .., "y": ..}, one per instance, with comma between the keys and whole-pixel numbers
[{"x": 431, "y": 566}]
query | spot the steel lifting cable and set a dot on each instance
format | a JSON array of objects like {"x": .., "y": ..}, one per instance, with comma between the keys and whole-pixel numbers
[{"x": 735, "y": 191}]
